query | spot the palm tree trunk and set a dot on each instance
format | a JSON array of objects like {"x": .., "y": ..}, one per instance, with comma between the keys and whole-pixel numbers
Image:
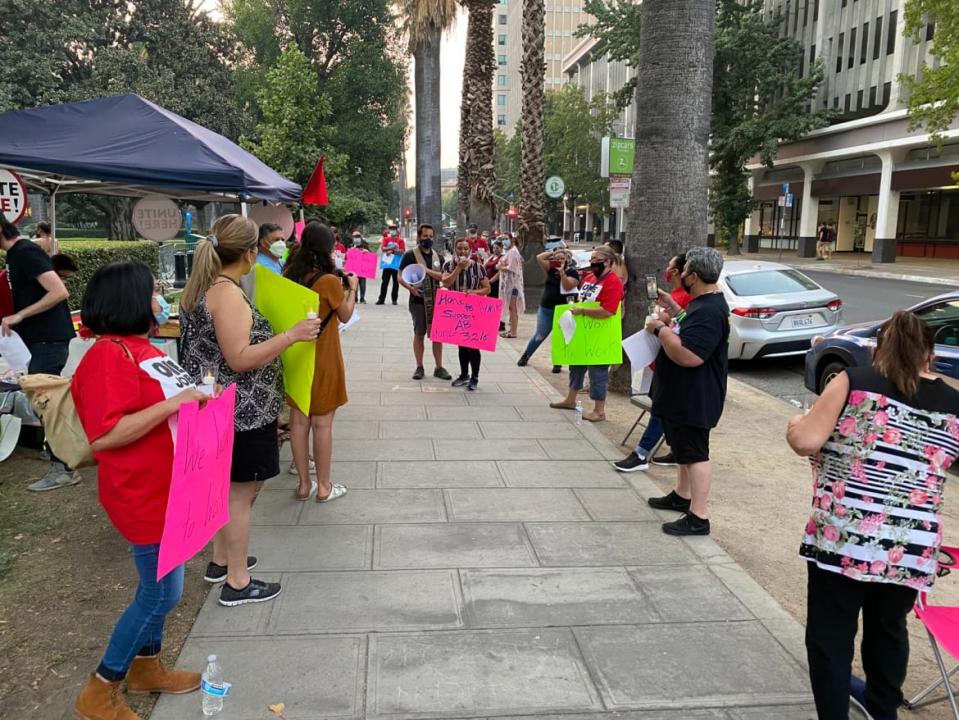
[
  {"x": 532, "y": 221},
  {"x": 668, "y": 201},
  {"x": 426, "y": 80}
]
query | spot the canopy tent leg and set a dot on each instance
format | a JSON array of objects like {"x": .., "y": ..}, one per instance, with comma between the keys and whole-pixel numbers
[
  {"x": 55, "y": 243},
  {"x": 244, "y": 209}
]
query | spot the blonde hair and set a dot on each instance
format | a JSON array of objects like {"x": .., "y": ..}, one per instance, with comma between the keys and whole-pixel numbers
[
  {"x": 609, "y": 255},
  {"x": 231, "y": 237}
]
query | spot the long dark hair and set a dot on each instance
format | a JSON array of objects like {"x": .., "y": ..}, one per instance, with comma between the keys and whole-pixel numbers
[
  {"x": 903, "y": 348},
  {"x": 313, "y": 255}
]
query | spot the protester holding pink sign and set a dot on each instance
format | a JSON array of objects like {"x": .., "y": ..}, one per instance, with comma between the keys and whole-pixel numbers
[
  {"x": 466, "y": 317},
  {"x": 127, "y": 395},
  {"x": 361, "y": 263}
]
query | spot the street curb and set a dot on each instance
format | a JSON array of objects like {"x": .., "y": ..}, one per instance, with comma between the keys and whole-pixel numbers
[{"x": 873, "y": 274}]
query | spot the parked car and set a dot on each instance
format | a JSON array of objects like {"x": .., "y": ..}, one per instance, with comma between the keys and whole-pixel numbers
[
  {"x": 775, "y": 309},
  {"x": 852, "y": 346}
]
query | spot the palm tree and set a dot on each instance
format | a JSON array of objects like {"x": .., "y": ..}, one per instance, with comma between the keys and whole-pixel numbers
[
  {"x": 476, "y": 179},
  {"x": 668, "y": 200},
  {"x": 532, "y": 219},
  {"x": 425, "y": 21}
]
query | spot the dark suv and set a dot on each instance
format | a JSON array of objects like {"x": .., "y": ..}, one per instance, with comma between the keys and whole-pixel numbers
[{"x": 852, "y": 346}]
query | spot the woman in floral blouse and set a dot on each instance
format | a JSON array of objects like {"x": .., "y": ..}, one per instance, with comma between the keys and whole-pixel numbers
[{"x": 880, "y": 439}]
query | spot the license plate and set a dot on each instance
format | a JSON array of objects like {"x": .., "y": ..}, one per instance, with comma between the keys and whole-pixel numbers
[{"x": 802, "y": 321}]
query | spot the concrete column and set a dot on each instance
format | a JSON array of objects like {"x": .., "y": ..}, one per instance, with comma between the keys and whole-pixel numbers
[
  {"x": 810, "y": 212},
  {"x": 887, "y": 212}
]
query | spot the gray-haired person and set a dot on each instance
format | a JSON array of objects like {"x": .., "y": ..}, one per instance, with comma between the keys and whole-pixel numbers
[{"x": 689, "y": 386}]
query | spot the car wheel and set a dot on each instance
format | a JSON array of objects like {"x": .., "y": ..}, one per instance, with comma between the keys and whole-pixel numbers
[{"x": 830, "y": 371}]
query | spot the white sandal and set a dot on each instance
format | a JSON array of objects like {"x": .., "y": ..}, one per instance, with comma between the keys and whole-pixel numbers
[{"x": 336, "y": 492}]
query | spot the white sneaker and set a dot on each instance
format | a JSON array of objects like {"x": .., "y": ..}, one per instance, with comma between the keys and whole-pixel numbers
[{"x": 292, "y": 470}]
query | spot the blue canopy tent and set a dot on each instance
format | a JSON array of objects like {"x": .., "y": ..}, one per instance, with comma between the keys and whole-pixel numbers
[{"x": 126, "y": 145}]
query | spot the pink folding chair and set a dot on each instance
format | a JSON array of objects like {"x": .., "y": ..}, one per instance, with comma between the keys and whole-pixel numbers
[{"x": 942, "y": 626}]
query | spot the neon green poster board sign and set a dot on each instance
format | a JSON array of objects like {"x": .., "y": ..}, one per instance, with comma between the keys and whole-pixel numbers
[
  {"x": 284, "y": 303},
  {"x": 594, "y": 342}
]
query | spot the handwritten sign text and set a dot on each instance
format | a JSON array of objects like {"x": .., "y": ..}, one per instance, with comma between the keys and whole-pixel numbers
[{"x": 468, "y": 320}]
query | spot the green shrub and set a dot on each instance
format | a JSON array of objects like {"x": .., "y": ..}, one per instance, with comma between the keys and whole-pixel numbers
[{"x": 91, "y": 255}]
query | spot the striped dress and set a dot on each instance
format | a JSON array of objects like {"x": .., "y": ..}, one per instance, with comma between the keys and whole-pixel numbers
[{"x": 879, "y": 480}]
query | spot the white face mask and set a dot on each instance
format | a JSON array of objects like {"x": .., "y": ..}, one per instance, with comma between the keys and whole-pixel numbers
[{"x": 277, "y": 249}]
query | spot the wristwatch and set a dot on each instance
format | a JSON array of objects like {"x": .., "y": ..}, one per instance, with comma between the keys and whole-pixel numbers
[{"x": 658, "y": 330}]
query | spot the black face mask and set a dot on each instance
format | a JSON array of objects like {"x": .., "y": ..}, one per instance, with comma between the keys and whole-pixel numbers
[
  {"x": 426, "y": 244},
  {"x": 682, "y": 281},
  {"x": 597, "y": 268}
]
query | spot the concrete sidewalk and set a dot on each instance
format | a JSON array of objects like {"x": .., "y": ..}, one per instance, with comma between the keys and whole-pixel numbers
[
  {"x": 487, "y": 562},
  {"x": 934, "y": 271}
]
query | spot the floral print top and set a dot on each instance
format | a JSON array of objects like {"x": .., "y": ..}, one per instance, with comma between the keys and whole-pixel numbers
[{"x": 878, "y": 482}]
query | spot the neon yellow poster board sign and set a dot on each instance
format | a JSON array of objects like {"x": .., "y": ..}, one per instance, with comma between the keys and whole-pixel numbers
[
  {"x": 594, "y": 342},
  {"x": 284, "y": 303}
]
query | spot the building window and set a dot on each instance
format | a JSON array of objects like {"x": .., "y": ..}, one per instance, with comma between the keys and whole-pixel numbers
[
  {"x": 501, "y": 60},
  {"x": 835, "y": 102},
  {"x": 886, "y": 93},
  {"x": 877, "y": 38},
  {"x": 501, "y": 120},
  {"x": 812, "y": 54},
  {"x": 891, "y": 33},
  {"x": 501, "y": 40},
  {"x": 930, "y": 32},
  {"x": 859, "y": 100},
  {"x": 501, "y": 100},
  {"x": 502, "y": 18},
  {"x": 847, "y": 104},
  {"x": 839, "y": 53},
  {"x": 805, "y": 14},
  {"x": 872, "y": 96},
  {"x": 815, "y": 11},
  {"x": 852, "y": 48},
  {"x": 501, "y": 80},
  {"x": 865, "y": 43}
]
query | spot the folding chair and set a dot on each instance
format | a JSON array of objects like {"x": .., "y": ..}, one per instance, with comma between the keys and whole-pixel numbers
[{"x": 942, "y": 626}]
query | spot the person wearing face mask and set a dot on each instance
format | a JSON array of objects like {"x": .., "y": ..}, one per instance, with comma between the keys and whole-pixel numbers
[
  {"x": 361, "y": 244},
  {"x": 639, "y": 458},
  {"x": 422, "y": 297},
  {"x": 271, "y": 247},
  {"x": 689, "y": 386},
  {"x": 561, "y": 279},
  {"x": 465, "y": 275},
  {"x": 511, "y": 286},
  {"x": 603, "y": 286},
  {"x": 222, "y": 330},
  {"x": 160, "y": 308}
]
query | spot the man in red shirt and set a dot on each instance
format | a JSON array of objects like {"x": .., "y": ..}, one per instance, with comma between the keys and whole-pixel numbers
[{"x": 476, "y": 241}]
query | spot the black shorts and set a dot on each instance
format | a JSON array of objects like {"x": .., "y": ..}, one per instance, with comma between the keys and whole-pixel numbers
[
  {"x": 690, "y": 445},
  {"x": 256, "y": 454},
  {"x": 418, "y": 311}
]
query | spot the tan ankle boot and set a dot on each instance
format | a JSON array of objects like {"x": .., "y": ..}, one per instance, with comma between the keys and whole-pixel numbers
[
  {"x": 102, "y": 700},
  {"x": 149, "y": 675}
]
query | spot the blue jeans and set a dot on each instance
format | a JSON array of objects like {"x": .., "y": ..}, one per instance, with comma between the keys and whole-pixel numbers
[
  {"x": 139, "y": 631},
  {"x": 654, "y": 431},
  {"x": 598, "y": 380},
  {"x": 544, "y": 326}
]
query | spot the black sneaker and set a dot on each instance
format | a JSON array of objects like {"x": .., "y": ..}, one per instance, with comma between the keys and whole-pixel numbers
[
  {"x": 256, "y": 591},
  {"x": 217, "y": 573},
  {"x": 631, "y": 463},
  {"x": 419, "y": 374},
  {"x": 523, "y": 360},
  {"x": 557, "y": 369},
  {"x": 381, "y": 302},
  {"x": 460, "y": 381},
  {"x": 667, "y": 460},
  {"x": 442, "y": 374},
  {"x": 394, "y": 302},
  {"x": 688, "y": 524},
  {"x": 669, "y": 502},
  {"x": 473, "y": 384}
]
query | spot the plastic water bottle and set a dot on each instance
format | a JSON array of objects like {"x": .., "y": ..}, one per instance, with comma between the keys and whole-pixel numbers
[
  {"x": 213, "y": 688},
  {"x": 579, "y": 413}
]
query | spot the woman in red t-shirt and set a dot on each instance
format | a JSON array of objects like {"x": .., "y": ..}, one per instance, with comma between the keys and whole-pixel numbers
[
  {"x": 127, "y": 393},
  {"x": 600, "y": 285}
]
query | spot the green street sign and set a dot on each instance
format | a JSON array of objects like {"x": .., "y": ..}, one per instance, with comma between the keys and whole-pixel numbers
[
  {"x": 555, "y": 187},
  {"x": 617, "y": 156}
]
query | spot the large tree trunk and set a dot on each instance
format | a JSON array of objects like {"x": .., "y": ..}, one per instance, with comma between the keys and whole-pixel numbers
[
  {"x": 532, "y": 221},
  {"x": 668, "y": 202},
  {"x": 426, "y": 78},
  {"x": 118, "y": 212}
]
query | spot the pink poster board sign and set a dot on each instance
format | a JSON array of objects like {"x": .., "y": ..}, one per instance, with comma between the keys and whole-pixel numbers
[
  {"x": 362, "y": 264},
  {"x": 198, "y": 503},
  {"x": 468, "y": 320},
  {"x": 298, "y": 229}
]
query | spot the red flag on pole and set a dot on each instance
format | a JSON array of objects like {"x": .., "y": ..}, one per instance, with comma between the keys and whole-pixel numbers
[{"x": 315, "y": 191}]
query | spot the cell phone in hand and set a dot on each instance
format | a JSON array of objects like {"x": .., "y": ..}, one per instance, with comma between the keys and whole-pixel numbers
[{"x": 652, "y": 287}]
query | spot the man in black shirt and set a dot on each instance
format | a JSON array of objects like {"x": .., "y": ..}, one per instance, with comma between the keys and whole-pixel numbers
[
  {"x": 689, "y": 387},
  {"x": 42, "y": 318},
  {"x": 422, "y": 297}
]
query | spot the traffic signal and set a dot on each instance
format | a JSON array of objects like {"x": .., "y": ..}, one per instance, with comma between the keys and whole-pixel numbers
[
  {"x": 407, "y": 213},
  {"x": 512, "y": 213}
]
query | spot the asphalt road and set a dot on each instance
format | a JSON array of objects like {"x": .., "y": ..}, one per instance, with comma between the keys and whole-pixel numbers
[{"x": 864, "y": 299}]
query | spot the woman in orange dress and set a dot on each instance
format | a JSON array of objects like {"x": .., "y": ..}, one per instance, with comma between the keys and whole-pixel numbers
[{"x": 313, "y": 266}]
